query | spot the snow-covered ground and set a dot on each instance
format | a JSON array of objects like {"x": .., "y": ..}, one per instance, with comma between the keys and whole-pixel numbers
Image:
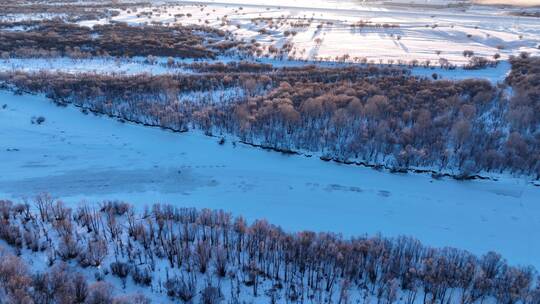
[
  {"x": 495, "y": 74},
  {"x": 323, "y": 28},
  {"x": 89, "y": 65},
  {"x": 513, "y": 2},
  {"x": 76, "y": 156},
  {"x": 136, "y": 66},
  {"x": 35, "y": 16}
]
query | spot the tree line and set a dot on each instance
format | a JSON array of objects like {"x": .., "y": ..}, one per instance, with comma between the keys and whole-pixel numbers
[
  {"x": 379, "y": 115},
  {"x": 208, "y": 256},
  {"x": 58, "y": 38},
  {"x": 69, "y": 10}
]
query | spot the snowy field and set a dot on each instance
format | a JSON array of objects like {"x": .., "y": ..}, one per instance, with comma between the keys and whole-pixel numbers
[
  {"x": 76, "y": 156},
  {"x": 513, "y": 2},
  {"x": 135, "y": 66},
  {"x": 391, "y": 32},
  {"x": 90, "y": 65}
]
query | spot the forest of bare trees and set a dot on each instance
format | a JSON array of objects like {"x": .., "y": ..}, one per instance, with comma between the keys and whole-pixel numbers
[
  {"x": 70, "y": 10},
  {"x": 51, "y": 38},
  {"x": 211, "y": 256},
  {"x": 348, "y": 110},
  {"x": 373, "y": 115},
  {"x": 380, "y": 116}
]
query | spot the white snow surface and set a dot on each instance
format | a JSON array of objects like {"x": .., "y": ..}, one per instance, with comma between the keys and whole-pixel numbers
[
  {"x": 98, "y": 65},
  {"x": 139, "y": 65},
  {"x": 75, "y": 157},
  {"x": 423, "y": 28},
  {"x": 495, "y": 74}
]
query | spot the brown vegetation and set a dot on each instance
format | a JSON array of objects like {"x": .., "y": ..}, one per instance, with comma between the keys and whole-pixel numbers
[
  {"x": 56, "y": 38},
  {"x": 69, "y": 10},
  {"x": 381, "y": 116},
  {"x": 257, "y": 258}
]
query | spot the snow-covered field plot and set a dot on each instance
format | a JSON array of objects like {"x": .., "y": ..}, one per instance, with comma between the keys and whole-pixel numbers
[
  {"x": 135, "y": 66},
  {"x": 493, "y": 74},
  {"x": 347, "y": 30},
  {"x": 91, "y": 65},
  {"x": 513, "y": 2},
  {"x": 74, "y": 156},
  {"x": 36, "y": 16}
]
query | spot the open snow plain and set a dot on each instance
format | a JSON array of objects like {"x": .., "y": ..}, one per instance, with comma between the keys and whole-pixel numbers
[
  {"x": 137, "y": 66},
  {"x": 75, "y": 156},
  {"x": 390, "y": 31}
]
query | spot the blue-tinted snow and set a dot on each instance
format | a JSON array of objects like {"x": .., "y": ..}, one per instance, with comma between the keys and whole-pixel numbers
[{"x": 76, "y": 156}]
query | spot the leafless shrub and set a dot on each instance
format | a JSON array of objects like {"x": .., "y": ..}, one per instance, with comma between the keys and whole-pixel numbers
[
  {"x": 99, "y": 293},
  {"x": 141, "y": 276},
  {"x": 211, "y": 295},
  {"x": 182, "y": 288}
]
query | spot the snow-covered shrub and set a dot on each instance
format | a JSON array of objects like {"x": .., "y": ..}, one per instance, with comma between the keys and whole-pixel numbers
[
  {"x": 99, "y": 293},
  {"x": 141, "y": 275},
  {"x": 182, "y": 288}
]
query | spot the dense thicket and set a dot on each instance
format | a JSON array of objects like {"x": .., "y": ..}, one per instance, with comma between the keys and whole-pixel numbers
[
  {"x": 524, "y": 106},
  {"x": 55, "y": 37},
  {"x": 401, "y": 121},
  {"x": 189, "y": 254},
  {"x": 405, "y": 120},
  {"x": 71, "y": 10},
  {"x": 381, "y": 116}
]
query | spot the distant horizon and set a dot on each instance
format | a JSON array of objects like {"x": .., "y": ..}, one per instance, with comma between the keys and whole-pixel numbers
[{"x": 513, "y": 2}]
